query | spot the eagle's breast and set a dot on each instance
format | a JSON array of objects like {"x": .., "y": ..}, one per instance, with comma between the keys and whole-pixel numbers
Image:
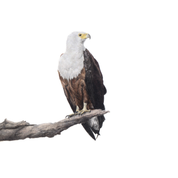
[{"x": 71, "y": 64}]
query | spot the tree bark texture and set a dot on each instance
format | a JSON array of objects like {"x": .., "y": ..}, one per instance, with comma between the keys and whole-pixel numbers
[{"x": 20, "y": 130}]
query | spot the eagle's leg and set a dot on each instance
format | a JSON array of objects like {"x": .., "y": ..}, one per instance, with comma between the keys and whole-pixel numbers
[
  {"x": 84, "y": 110},
  {"x": 75, "y": 113},
  {"x": 77, "y": 110}
]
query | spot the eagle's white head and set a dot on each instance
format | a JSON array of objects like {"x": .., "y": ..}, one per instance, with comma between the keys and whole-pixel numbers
[
  {"x": 75, "y": 41},
  {"x": 71, "y": 62}
]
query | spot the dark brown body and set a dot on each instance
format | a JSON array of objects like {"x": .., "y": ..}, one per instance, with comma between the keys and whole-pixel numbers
[{"x": 76, "y": 90}]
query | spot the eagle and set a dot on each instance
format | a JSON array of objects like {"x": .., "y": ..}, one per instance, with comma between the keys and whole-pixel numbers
[{"x": 82, "y": 81}]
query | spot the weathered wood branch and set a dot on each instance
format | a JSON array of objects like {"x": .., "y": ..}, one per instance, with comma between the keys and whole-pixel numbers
[{"x": 20, "y": 130}]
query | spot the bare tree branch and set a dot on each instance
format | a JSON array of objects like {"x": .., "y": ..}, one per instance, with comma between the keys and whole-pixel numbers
[{"x": 20, "y": 130}]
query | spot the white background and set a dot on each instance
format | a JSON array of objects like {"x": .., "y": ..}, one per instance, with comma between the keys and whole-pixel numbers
[{"x": 136, "y": 45}]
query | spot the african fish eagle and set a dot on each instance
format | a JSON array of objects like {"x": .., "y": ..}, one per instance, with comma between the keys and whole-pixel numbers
[{"x": 82, "y": 81}]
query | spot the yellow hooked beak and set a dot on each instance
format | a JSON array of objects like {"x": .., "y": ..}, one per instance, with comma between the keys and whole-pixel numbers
[{"x": 84, "y": 35}]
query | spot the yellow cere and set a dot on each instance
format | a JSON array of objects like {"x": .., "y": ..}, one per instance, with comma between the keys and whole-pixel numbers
[{"x": 83, "y": 35}]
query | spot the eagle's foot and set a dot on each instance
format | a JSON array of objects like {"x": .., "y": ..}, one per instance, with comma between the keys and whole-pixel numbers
[
  {"x": 70, "y": 115},
  {"x": 74, "y": 114},
  {"x": 84, "y": 110}
]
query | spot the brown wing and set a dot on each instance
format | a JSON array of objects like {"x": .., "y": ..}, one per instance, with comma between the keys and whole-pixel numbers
[
  {"x": 94, "y": 81},
  {"x": 66, "y": 89},
  {"x": 95, "y": 87}
]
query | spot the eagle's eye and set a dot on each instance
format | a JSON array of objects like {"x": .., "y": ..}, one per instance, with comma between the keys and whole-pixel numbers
[{"x": 80, "y": 34}]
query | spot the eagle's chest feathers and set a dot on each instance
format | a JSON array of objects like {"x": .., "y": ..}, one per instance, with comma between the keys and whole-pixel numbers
[{"x": 71, "y": 64}]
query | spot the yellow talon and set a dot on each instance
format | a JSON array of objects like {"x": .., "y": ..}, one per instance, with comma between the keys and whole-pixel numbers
[
  {"x": 79, "y": 112},
  {"x": 76, "y": 112},
  {"x": 84, "y": 110}
]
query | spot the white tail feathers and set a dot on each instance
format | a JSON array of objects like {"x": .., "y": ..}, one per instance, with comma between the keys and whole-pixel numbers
[{"x": 94, "y": 123}]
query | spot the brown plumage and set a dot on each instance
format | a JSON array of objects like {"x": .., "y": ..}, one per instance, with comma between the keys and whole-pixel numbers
[
  {"x": 84, "y": 91},
  {"x": 76, "y": 91}
]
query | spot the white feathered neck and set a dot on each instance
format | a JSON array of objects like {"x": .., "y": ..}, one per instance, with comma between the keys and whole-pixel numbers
[{"x": 71, "y": 62}]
